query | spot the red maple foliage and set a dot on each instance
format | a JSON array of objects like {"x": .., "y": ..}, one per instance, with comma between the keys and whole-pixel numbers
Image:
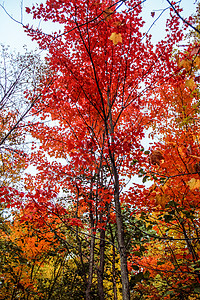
[{"x": 103, "y": 70}]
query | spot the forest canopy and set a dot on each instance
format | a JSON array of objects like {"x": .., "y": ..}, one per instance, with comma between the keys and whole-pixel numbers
[{"x": 102, "y": 217}]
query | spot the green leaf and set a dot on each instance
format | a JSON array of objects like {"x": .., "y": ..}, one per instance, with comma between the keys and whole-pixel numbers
[
  {"x": 171, "y": 203},
  {"x": 154, "y": 177},
  {"x": 160, "y": 263},
  {"x": 134, "y": 161},
  {"x": 141, "y": 171},
  {"x": 146, "y": 152},
  {"x": 149, "y": 227},
  {"x": 197, "y": 290},
  {"x": 145, "y": 178},
  {"x": 146, "y": 275},
  {"x": 169, "y": 293}
]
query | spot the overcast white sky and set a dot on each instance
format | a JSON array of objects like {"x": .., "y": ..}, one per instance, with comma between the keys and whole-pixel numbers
[{"x": 12, "y": 33}]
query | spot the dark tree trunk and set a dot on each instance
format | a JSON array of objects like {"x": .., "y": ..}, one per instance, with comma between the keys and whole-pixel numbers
[
  {"x": 121, "y": 241},
  {"x": 90, "y": 271},
  {"x": 113, "y": 266},
  {"x": 100, "y": 270},
  {"x": 92, "y": 246},
  {"x": 120, "y": 227}
]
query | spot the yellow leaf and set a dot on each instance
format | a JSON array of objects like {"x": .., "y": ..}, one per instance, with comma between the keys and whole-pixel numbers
[
  {"x": 171, "y": 144},
  {"x": 190, "y": 83},
  {"x": 197, "y": 62},
  {"x": 194, "y": 184},
  {"x": 116, "y": 38},
  {"x": 181, "y": 152}
]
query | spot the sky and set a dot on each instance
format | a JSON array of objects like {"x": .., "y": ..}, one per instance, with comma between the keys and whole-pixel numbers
[{"x": 12, "y": 33}]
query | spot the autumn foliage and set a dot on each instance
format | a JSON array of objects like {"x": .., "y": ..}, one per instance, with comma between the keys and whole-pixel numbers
[{"x": 83, "y": 227}]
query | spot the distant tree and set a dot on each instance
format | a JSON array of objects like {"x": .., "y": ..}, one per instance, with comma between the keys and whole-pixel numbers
[
  {"x": 172, "y": 207},
  {"x": 18, "y": 73}
]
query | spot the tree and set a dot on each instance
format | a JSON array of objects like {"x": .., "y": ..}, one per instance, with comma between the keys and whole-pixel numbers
[
  {"x": 102, "y": 68},
  {"x": 17, "y": 74},
  {"x": 33, "y": 261},
  {"x": 173, "y": 200}
]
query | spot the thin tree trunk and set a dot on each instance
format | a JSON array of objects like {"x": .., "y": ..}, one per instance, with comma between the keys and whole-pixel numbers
[
  {"x": 100, "y": 270},
  {"x": 91, "y": 264},
  {"x": 92, "y": 245},
  {"x": 79, "y": 241},
  {"x": 119, "y": 221},
  {"x": 113, "y": 265},
  {"x": 121, "y": 241}
]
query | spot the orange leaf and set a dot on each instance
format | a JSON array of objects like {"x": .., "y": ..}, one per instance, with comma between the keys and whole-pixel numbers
[
  {"x": 107, "y": 14},
  {"x": 116, "y": 38}
]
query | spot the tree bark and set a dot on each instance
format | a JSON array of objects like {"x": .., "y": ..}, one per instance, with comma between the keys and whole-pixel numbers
[
  {"x": 121, "y": 241},
  {"x": 120, "y": 227},
  {"x": 92, "y": 245},
  {"x": 90, "y": 272},
  {"x": 113, "y": 265},
  {"x": 100, "y": 270}
]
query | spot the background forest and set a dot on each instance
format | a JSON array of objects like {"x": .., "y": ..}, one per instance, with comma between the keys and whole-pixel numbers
[{"x": 87, "y": 211}]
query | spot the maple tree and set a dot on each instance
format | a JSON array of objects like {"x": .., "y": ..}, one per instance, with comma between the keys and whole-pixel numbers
[
  {"x": 102, "y": 66},
  {"x": 173, "y": 200}
]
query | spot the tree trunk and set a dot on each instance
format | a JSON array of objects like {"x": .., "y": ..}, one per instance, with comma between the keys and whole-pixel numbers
[
  {"x": 121, "y": 241},
  {"x": 100, "y": 270},
  {"x": 92, "y": 245},
  {"x": 113, "y": 265},
  {"x": 120, "y": 227},
  {"x": 91, "y": 264}
]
